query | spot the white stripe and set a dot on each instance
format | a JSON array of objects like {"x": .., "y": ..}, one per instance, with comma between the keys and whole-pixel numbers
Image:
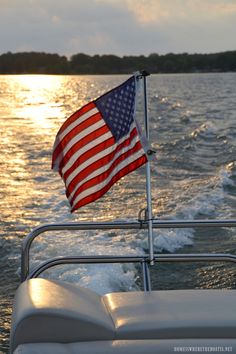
[
  {"x": 104, "y": 168},
  {"x": 99, "y": 186},
  {"x": 78, "y": 121},
  {"x": 89, "y": 162},
  {"x": 82, "y": 134},
  {"x": 85, "y": 148},
  {"x": 61, "y": 135},
  {"x": 92, "y": 159}
]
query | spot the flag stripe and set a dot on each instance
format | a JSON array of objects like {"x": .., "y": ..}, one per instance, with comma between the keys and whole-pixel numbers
[
  {"x": 92, "y": 123},
  {"x": 96, "y": 194},
  {"x": 87, "y": 159},
  {"x": 82, "y": 143},
  {"x": 99, "y": 144},
  {"x": 82, "y": 114},
  {"x": 99, "y": 167},
  {"x": 105, "y": 148},
  {"x": 105, "y": 170},
  {"x": 106, "y": 154},
  {"x": 78, "y": 136},
  {"x": 79, "y": 151},
  {"x": 78, "y": 118}
]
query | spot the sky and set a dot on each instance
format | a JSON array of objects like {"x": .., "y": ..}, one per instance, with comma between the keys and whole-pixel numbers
[{"x": 120, "y": 27}]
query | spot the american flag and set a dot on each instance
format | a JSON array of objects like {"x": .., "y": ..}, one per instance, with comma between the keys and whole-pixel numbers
[{"x": 98, "y": 145}]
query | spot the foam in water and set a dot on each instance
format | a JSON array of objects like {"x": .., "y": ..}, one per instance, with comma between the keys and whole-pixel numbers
[
  {"x": 204, "y": 197},
  {"x": 225, "y": 177},
  {"x": 101, "y": 278},
  {"x": 171, "y": 240}
]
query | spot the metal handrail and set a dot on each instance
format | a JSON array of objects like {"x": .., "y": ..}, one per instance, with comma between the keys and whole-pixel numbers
[
  {"x": 135, "y": 225},
  {"x": 143, "y": 260}
]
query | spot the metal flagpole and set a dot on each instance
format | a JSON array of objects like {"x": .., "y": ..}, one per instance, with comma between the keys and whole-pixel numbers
[{"x": 148, "y": 216}]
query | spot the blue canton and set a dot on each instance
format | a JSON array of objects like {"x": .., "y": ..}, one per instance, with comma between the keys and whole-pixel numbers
[{"x": 117, "y": 108}]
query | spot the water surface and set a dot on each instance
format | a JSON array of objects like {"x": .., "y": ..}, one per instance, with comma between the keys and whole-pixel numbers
[{"x": 193, "y": 129}]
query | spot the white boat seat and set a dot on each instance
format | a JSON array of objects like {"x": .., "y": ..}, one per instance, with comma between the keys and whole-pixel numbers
[
  {"x": 173, "y": 314},
  {"x": 51, "y": 311},
  {"x": 156, "y": 346}
]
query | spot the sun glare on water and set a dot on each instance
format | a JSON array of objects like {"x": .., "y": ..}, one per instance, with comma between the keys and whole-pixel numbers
[
  {"x": 35, "y": 95},
  {"x": 32, "y": 109}
]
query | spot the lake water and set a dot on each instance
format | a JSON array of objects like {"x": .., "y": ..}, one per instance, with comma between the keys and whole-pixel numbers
[{"x": 193, "y": 130}]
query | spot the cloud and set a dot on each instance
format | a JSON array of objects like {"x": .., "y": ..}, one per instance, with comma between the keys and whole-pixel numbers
[
  {"x": 170, "y": 11},
  {"x": 117, "y": 26}
]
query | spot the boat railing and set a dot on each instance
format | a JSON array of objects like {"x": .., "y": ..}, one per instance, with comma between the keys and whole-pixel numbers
[{"x": 143, "y": 260}]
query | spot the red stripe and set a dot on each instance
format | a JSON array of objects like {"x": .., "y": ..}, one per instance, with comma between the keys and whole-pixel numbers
[
  {"x": 87, "y": 155},
  {"x": 75, "y": 131},
  {"x": 81, "y": 143},
  {"x": 127, "y": 169},
  {"x": 76, "y": 115},
  {"x": 104, "y": 175},
  {"x": 97, "y": 164}
]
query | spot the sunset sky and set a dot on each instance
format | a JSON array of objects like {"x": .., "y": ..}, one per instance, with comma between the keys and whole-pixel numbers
[{"x": 121, "y": 27}]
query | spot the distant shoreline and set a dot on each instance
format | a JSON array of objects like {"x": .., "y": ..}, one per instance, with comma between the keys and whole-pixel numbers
[{"x": 78, "y": 64}]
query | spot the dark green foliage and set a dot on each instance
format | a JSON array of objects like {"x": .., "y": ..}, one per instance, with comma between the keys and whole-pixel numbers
[
  {"x": 33, "y": 63},
  {"x": 43, "y": 63}
]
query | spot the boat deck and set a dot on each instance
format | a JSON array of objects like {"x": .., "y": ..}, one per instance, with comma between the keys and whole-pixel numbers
[{"x": 51, "y": 316}]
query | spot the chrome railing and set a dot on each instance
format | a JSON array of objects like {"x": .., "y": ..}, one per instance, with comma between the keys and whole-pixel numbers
[{"x": 142, "y": 260}]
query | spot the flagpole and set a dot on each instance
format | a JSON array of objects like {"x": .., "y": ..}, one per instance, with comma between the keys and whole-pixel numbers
[{"x": 148, "y": 216}]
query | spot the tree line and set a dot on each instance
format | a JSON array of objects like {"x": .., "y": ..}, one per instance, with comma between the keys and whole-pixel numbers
[{"x": 46, "y": 63}]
